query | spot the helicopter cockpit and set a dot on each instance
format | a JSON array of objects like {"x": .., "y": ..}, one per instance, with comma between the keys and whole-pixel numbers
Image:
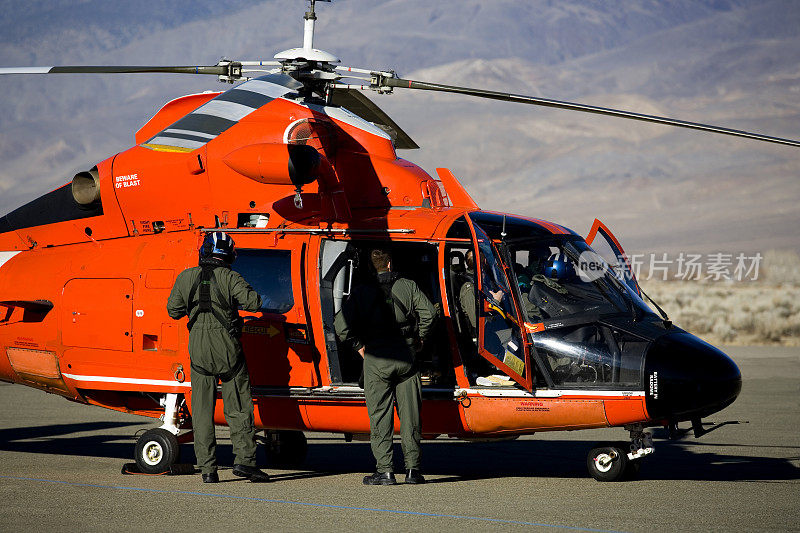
[
  {"x": 568, "y": 289},
  {"x": 551, "y": 312}
]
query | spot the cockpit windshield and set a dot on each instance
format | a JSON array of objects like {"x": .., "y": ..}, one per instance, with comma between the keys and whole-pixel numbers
[
  {"x": 564, "y": 278},
  {"x": 583, "y": 321},
  {"x": 569, "y": 289}
]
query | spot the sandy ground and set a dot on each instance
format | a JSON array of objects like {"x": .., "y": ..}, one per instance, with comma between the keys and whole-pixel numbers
[{"x": 60, "y": 470}]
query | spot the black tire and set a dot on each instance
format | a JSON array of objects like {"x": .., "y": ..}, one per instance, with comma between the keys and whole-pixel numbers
[
  {"x": 608, "y": 463},
  {"x": 156, "y": 451},
  {"x": 286, "y": 448}
]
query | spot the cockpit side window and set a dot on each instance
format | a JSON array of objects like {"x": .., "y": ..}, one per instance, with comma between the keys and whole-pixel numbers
[
  {"x": 485, "y": 316},
  {"x": 591, "y": 355},
  {"x": 569, "y": 295}
]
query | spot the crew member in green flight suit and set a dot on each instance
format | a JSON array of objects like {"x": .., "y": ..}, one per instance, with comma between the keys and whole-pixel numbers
[
  {"x": 386, "y": 323},
  {"x": 210, "y": 295}
]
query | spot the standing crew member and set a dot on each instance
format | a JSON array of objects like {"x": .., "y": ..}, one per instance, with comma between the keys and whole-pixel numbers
[
  {"x": 210, "y": 295},
  {"x": 379, "y": 324}
]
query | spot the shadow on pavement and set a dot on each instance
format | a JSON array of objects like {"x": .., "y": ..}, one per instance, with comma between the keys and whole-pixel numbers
[
  {"x": 59, "y": 439},
  {"x": 462, "y": 461},
  {"x": 447, "y": 460}
]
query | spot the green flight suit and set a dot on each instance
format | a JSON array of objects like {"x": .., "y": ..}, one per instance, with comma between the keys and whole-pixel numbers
[
  {"x": 466, "y": 298},
  {"x": 384, "y": 328},
  {"x": 215, "y": 355}
]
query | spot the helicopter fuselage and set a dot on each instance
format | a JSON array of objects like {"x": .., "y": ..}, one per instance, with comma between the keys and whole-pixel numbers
[{"x": 306, "y": 190}]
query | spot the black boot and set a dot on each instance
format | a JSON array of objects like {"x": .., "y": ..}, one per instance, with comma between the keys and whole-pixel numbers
[
  {"x": 380, "y": 478},
  {"x": 413, "y": 477},
  {"x": 211, "y": 478},
  {"x": 250, "y": 472}
]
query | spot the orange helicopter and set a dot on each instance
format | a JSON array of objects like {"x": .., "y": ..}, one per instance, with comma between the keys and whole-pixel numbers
[{"x": 302, "y": 169}]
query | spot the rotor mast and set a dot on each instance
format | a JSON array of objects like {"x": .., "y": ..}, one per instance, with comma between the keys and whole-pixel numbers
[{"x": 308, "y": 30}]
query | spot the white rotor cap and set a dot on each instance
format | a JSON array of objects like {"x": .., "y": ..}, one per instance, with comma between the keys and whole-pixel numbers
[{"x": 311, "y": 54}]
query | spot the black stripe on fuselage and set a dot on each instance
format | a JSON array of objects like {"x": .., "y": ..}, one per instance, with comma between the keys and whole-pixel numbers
[
  {"x": 56, "y": 206},
  {"x": 244, "y": 97},
  {"x": 208, "y": 124}
]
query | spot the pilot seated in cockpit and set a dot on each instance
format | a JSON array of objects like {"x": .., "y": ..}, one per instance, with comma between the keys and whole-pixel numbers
[
  {"x": 557, "y": 291},
  {"x": 548, "y": 290}
]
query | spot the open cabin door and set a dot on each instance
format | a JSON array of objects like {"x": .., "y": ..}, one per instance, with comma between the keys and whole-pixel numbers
[
  {"x": 336, "y": 267},
  {"x": 500, "y": 337},
  {"x": 611, "y": 250}
]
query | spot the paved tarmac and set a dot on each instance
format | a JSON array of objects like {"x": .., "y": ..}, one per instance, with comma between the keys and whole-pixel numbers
[{"x": 60, "y": 470}]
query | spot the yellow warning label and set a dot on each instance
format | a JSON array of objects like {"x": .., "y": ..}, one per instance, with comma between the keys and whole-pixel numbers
[{"x": 514, "y": 363}]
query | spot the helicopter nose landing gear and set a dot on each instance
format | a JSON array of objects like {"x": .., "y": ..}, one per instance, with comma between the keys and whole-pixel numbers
[
  {"x": 620, "y": 461},
  {"x": 641, "y": 443},
  {"x": 607, "y": 463}
]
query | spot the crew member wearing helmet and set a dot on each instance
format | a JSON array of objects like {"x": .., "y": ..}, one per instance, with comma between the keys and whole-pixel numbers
[
  {"x": 209, "y": 294},
  {"x": 549, "y": 290}
]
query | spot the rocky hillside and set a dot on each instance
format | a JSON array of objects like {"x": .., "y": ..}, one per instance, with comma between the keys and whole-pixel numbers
[{"x": 735, "y": 63}]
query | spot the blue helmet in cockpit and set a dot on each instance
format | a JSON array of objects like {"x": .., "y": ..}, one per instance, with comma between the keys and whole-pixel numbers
[{"x": 559, "y": 267}]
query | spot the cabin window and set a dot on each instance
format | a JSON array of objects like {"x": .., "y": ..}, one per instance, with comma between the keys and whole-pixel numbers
[
  {"x": 459, "y": 230},
  {"x": 269, "y": 272}
]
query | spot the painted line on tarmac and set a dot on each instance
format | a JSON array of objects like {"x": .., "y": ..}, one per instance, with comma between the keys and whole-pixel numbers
[{"x": 310, "y": 504}]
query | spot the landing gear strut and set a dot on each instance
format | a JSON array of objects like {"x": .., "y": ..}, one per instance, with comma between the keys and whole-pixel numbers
[
  {"x": 157, "y": 449},
  {"x": 620, "y": 460}
]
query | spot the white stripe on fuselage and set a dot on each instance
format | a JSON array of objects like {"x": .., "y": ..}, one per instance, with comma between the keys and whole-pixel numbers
[
  {"x": 227, "y": 110},
  {"x": 549, "y": 393},
  {"x": 129, "y": 381},
  {"x": 5, "y": 257}
]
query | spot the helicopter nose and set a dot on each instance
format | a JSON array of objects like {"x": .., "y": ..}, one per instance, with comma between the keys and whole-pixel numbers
[{"x": 687, "y": 378}]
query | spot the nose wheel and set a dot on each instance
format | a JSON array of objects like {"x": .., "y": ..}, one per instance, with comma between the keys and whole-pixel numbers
[
  {"x": 621, "y": 460},
  {"x": 611, "y": 463}
]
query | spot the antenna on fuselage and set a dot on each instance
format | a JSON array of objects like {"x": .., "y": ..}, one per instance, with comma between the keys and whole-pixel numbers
[
  {"x": 308, "y": 30},
  {"x": 299, "y": 58}
]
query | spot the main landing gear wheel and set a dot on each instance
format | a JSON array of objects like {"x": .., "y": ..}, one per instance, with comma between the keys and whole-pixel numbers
[
  {"x": 288, "y": 448},
  {"x": 611, "y": 463},
  {"x": 156, "y": 451}
]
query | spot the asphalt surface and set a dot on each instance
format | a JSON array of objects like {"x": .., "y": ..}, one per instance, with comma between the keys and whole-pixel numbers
[{"x": 60, "y": 470}]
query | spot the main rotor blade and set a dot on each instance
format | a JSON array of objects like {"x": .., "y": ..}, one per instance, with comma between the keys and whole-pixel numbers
[
  {"x": 355, "y": 102},
  {"x": 508, "y": 97},
  {"x": 216, "y": 70}
]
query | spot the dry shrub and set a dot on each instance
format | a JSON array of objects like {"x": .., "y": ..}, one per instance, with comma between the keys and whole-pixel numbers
[
  {"x": 746, "y": 313},
  {"x": 766, "y": 311},
  {"x": 781, "y": 267}
]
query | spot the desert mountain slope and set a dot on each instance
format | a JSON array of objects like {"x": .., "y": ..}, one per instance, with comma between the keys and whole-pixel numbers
[{"x": 734, "y": 63}]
